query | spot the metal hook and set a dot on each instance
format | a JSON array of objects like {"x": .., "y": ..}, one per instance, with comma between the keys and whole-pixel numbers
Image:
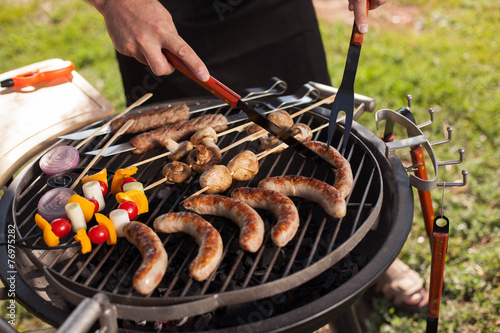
[
  {"x": 465, "y": 172},
  {"x": 427, "y": 123},
  {"x": 414, "y": 167},
  {"x": 449, "y": 129},
  {"x": 460, "y": 159}
]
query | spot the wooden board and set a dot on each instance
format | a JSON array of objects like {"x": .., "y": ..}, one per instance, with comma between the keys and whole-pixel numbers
[{"x": 33, "y": 117}]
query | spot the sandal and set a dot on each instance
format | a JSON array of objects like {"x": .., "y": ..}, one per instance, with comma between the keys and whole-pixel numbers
[{"x": 403, "y": 287}]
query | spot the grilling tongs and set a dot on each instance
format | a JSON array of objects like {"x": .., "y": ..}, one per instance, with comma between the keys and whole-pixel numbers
[
  {"x": 344, "y": 99},
  {"x": 234, "y": 100}
]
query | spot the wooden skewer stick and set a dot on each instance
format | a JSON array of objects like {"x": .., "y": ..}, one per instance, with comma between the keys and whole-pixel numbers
[
  {"x": 151, "y": 159},
  {"x": 122, "y": 130},
  {"x": 135, "y": 104},
  {"x": 158, "y": 182}
]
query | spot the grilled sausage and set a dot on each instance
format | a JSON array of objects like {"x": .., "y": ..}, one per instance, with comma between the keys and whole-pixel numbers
[
  {"x": 308, "y": 188},
  {"x": 151, "y": 119},
  {"x": 343, "y": 173},
  {"x": 177, "y": 132},
  {"x": 206, "y": 236},
  {"x": 283, "y": 207},
  {"x": 154, "y": 256},
  {"x": 248, "y": 220}
]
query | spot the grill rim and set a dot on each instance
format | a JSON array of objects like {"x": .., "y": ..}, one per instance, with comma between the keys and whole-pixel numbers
[{"x": 19, "y": 179}]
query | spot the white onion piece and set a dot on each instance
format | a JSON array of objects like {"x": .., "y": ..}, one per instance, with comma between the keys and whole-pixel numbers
[
  {"x": 75, "y": 215},
  {"x": 92, "y": 190},
  {"x": 119, "y": 217},
  {"x": 133, "y": 186},
  {"x": 59, "y": 159},
  {"x": 51, "y": 204}
]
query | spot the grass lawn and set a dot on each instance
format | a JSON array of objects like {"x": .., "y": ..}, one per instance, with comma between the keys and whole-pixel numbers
[{"x": 444, "y": 53}]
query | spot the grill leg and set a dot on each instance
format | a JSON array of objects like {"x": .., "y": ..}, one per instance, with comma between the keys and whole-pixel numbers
[{"x": 347, "y": 322}]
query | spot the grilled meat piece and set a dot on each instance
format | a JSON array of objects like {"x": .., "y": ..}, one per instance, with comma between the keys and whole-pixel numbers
[
  {"x": 177, "y": 132},
  {"x": 151, "y": 119}
]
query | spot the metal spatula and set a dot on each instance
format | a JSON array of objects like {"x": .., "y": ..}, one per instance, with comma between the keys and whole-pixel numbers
[{"x": 344, "y": 100}]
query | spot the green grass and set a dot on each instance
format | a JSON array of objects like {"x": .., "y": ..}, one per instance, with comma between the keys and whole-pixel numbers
[{"x": 450, "y": 63}]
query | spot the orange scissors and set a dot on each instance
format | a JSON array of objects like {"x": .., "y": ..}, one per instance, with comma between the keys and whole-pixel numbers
[{"x": 44, "y": 74}]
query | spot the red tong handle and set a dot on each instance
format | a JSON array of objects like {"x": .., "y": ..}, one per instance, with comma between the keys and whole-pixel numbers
[
  {"x": 417, "y": 157},
  {"x": 40, "y": 75},
  {"x": 356, "y": 36},
  {"x": 212, "y": 85},
  {"x": 439, "y": 247}
]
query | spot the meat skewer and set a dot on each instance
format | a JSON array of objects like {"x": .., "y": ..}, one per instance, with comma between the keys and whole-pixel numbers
[
  {"x": 176, "y": 132},
  {"x": 108, "y": 123},
  {"x": 151, "y": 119}
]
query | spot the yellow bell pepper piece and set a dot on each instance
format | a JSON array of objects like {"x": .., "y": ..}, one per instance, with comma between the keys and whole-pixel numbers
[
  {"x": 106, "y": 223},
  {"x": 101, "y": 175},
  {"x": 136, "y": 196},
  {"x": 48, "y": 235},
  {"x": 116, "y": 183},
  {"x": 84, "y": 240},
  {"x": 87, "y": 206}
]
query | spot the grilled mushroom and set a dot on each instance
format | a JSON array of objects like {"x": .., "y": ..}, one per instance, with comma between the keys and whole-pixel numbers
[
  {"x": 269, "y": 142},
  {"x": 201, "y": 158},
  {"x": 178, "y": 150},
  {"x": 208, "y": 137},
  {"x": 176, "y": 172},
  {"x": 216, "y": 179},
  {"x": 281, "y": 118},
  {"x": 301, "y": 132},
  {"x": 244, "y": 166}
]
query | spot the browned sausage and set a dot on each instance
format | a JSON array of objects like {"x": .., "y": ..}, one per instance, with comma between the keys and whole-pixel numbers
[
  {"x": 286, "y": 213},
  {"x": 206, "y": 236},
  {"x": 308, "y": 188},
  {"x": 343, "y": 173},
  {"x": 248, "y": 220},
  {"x": 154, "y": 257}
]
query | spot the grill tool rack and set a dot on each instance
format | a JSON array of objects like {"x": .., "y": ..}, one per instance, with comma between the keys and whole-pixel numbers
[{"x": 437, "y": 227}]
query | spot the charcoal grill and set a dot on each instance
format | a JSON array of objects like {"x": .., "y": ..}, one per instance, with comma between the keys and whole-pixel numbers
[{"x": 301, "y": 286}]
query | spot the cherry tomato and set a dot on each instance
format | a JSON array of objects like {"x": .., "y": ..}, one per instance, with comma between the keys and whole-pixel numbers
[
  {"x": 60, "y": 227},
  {"x": 98, "y": 234},
  {"x": 128, "y": 180},
  {"x": 96, "y": 204},
  {"x": 104, "y": 187},
  {"x": 131, "y": 209}
]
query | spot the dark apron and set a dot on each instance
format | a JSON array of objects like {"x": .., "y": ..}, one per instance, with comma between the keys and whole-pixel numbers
[{"x": 242, "y": 42}]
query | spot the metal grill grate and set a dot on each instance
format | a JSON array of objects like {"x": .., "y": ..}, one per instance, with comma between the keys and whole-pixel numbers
[{"x": 241, "y": 277}]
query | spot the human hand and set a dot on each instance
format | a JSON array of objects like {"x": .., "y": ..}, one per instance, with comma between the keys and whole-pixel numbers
[
  {"x": 141, "y": 29},
  {"x": 360, "y": 14}
]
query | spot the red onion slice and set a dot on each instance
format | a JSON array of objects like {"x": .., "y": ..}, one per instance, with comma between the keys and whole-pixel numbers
[
  {"x": 59, "y": 159},
  {"x": 51, "y": 204}
]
